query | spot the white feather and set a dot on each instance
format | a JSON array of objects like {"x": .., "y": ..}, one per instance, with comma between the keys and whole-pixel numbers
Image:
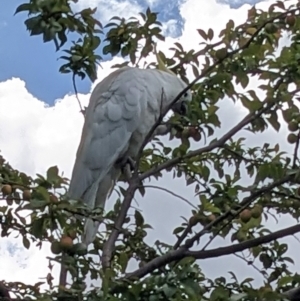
[{"x": 122, "y": 110}]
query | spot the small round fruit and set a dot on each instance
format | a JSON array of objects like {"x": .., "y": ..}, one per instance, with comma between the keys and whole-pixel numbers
[
  {"x": 6, "y": 189},
  {"x": 293, "y": 126},
  {"x": 241, "y": 237},
  {"x": 53, "y": 199},
  {"x": 194, "y": 133},
  {"x": 290, "y": 20},
  {"x": 197, "y": 137},
  {"x": 245, "y": 216},
  {"x": 55, "y": 247},
  {"x": 80, "y": 249},
  {"x": 72, "y": 234},
  {"x": 211, "y": 217},
  {"x": 185, "y": 133},
  {"x": 271, "y": 28},
  {"x": 221, "y": 53},
  {"x": 193, "y": 220},
  {"x": 26, "y": 195},
  {"x": 66, "y": 243},
  {"x": 256, "y": 211},
  {"x": 292, "y": 138}
]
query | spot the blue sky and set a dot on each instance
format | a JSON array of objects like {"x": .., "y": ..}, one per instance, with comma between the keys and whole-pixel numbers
[{"x": 36, "y": 62}]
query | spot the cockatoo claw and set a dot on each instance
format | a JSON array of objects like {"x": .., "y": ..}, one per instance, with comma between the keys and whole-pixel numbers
[{"x": 127, "y": 165}]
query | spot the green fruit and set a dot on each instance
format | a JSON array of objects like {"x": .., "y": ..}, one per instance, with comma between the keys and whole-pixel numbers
[
  {"x": 72, "y": 234},
  {"x": 55, "y": 247},
  {"x": 221, "y": 53},
  {"x": 193, "y": 220},
  {"x": 79, "y": 249},
  {"x": 293, "y": 126},
  {"x": 292, "y": 138},
  {"x": 271, "y": 28},
  {"x": 185, "y": 133},
  {"x": 256, "y": 211},
  {"x": 241, "y": 237}
]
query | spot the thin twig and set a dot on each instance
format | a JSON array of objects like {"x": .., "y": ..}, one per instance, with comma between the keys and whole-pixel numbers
[
  {"x": 252, "y": 264},
  {"x": 76, "y": 94},
  {"x": 296, "y": 151},
  {"x": 172, "y": 193}
]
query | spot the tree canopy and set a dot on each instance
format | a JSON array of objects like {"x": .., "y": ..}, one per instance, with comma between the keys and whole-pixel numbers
[{"x": 214, "y": 166}]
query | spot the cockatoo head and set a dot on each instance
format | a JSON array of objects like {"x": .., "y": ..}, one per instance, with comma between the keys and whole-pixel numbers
[
  {"x": 181, "y": 106},
  {"x": 178, "y": 85}
]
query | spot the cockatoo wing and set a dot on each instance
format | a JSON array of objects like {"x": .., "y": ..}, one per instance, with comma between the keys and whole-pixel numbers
[{"x": 112, "y": 116}]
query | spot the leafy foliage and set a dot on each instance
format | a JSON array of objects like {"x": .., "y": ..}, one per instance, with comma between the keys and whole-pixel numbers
[{"x": 37, "y": 208}]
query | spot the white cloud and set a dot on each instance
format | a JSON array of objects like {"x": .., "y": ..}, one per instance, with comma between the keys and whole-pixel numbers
[
  {"x": 34, "y": 136},
  {"x": 111, "y": 8}
]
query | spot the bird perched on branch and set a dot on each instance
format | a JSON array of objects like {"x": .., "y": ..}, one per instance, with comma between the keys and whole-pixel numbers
[{"x": 123, "y": 108}]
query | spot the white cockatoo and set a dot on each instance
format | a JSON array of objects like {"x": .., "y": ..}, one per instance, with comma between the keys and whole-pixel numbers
[{"x": 123, "y": 108}]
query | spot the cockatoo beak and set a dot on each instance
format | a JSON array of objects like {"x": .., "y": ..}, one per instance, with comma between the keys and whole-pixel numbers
[{"x": 180, "y": 108}]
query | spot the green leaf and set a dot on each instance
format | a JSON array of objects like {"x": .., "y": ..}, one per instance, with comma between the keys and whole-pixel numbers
[
  {"x": 52, "y": 174},
  {"x": 139, "y": 220},
  {"x": 123, "y": 260},
  {"x": 26, "y": 242},
  {"x": 23, "y": 7}
]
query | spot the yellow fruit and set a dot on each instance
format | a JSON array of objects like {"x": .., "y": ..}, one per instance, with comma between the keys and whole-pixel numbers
[
  {"x": 245, "y": 216},
  {"x": 211, "y": 217},
  {"x": 66, "y": 243},
  {"x": 256, "y": 211},
  {"x": 221, "y": 53},
  {"x": 251, "y": 30},
  {"x": 56, "y": 248},
  {"x": 293, "y": 126},
  {"x": 26, "y": 195},
  {"x": 292, "y": 138},
  {"x": 6, "y": 189}
]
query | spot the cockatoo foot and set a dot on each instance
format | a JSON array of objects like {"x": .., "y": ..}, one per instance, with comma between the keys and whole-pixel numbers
[{"x": 127, "y": 165}]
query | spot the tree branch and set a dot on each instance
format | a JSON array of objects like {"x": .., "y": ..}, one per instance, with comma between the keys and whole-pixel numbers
[
  {"x": 202, "y": 75},
  {"x": 181, "y": 253},
  {"x": 218, "y": 143},
  {"x": 109, "y": 245}
]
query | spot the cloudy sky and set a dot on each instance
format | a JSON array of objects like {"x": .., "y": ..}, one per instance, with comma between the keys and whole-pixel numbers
[{"x": 40, "y": 123}]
